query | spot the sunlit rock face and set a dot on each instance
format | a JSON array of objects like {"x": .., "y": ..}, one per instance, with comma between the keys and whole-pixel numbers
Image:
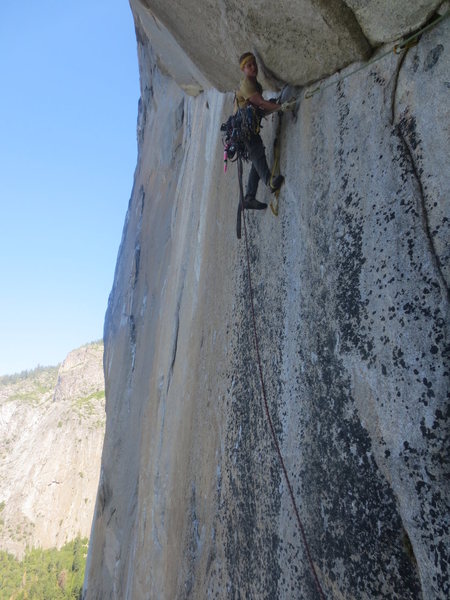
[{"x": 350, "y": 286}]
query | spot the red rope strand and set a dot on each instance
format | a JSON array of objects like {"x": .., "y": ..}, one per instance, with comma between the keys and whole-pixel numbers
[{"x": 269, "y": 419}]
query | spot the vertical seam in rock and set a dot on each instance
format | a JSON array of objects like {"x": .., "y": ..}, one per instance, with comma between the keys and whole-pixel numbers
[
  {"x": 424, "y": 212},
  {"x": 175, "y": 342},
  {"x": 132, "y": 326},
  {"x": 174, "y": 349},
  {"x": 394, "y": 91},
  {"x": 268, "y": 74},
  {"x": 354, "y": 28}
]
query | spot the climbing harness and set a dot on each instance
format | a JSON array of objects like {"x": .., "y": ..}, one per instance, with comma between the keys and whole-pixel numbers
[
  {"x": 411, "y": 41},
  {"x": 238, "y": 129},
  {"x": 276, "y": 166},
  {"x": 270, "y": 422}
]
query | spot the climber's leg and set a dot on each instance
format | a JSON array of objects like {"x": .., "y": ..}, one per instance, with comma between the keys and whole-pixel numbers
[{"x": 259, "y": 169}]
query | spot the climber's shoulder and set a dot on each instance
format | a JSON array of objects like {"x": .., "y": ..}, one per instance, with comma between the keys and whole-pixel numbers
[
  {"x": 247, "y": 89},
  {"x": 250, "y": 87}
]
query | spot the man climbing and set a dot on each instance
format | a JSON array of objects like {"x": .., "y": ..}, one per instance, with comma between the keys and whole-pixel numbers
[{"x": 250, "y": 93}]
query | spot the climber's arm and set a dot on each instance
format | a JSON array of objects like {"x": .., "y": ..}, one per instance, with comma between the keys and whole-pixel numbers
[{"x": 265, "y": 105}]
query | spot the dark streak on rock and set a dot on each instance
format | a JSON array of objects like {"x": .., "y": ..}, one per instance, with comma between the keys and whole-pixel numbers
[
  {"x": 104, "y": 492},
  {"x": 137, "y": 257},
  {"x": 406, "y": 131},
  {"x": 395, "y": 85},
  {"x": 132, "y": 331},
  {"x": 250, "y": 484},
  {"x": 432, "y": 57},
  {"x": 113, "y": 512},
  {"x": 175, "y": 339},
  {"x": 174, "y": 349}
]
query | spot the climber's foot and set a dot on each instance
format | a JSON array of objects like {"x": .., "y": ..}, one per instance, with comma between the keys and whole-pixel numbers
[
  {"x": 276, "y": 183},
  {"x": 251, "y": 202}
]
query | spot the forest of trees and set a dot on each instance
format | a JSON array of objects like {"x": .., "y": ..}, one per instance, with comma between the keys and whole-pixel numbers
[
  {"x": 44, "y": 574},
  {"x": 29, "y": 374}
]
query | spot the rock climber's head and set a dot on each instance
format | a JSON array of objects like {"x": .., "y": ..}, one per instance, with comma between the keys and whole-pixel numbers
[{"x": 247, "y": 63}]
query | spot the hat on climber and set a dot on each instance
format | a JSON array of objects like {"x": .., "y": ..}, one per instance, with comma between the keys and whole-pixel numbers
[{"x": 246, "y": 58}]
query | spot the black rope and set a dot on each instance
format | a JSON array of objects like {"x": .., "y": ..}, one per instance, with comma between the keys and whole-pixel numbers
[{"x": 241, "y": 199}]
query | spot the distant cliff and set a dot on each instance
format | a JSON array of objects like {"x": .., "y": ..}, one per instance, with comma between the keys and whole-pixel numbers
[
  {"x": 52, "y": 424},
  {"x": 350, "y": 286}
]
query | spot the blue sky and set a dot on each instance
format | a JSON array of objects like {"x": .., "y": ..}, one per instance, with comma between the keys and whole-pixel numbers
[{"x": 68, "y": 109}]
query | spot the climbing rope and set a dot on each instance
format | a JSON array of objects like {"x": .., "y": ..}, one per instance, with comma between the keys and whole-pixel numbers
[
  {"x": 397, "y": 48},
  {"x": 241, "y": 198},
  {"x": 269, "y": 419},
  {"x": 411, "y": 41}
]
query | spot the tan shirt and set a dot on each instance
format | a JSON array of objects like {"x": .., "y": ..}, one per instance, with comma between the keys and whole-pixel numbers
[{"x": 246, "y": 90}]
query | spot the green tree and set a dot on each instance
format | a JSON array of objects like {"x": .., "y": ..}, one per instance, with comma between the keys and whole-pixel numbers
[{"x": 44, "y": 574}]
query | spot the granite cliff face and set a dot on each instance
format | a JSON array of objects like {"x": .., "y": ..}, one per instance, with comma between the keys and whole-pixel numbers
[
  {"x": 51, "y": 431},
  {"x": 350, "y": 286}
]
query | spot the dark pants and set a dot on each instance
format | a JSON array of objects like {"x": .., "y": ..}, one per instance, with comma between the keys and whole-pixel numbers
[{"x": 259, "y": 170}]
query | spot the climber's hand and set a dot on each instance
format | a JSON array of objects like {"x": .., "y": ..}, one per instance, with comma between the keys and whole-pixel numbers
[{"x": 287, "y": 106}]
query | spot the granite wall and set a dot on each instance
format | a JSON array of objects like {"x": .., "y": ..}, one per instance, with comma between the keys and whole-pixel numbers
[{"x": 350, "y": 286}]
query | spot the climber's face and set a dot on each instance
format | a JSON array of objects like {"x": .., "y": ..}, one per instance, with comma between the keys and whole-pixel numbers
[{"x": 250, "y": 69}]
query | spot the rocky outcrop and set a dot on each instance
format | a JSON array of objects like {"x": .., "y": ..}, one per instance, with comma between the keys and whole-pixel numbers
[
  {"x": 383, "y": 21},
  {"x": 51, "y": 432},
  {"x": 351, "y": 301},
  {"x": 81, "y": 374},
  {"x": 199, "y": 44},
  {"x": 214, "y": 34}
]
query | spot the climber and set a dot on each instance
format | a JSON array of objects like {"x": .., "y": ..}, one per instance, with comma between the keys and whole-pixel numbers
[{"x": 250, "y": 94}]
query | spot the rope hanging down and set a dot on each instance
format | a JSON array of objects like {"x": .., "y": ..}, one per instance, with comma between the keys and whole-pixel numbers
[
  {"x": 397, "y": 48},
  {"x": 266, "y": 405},
  {"x": 241, "y": 198},
  {"x": 410, "y": 41}
]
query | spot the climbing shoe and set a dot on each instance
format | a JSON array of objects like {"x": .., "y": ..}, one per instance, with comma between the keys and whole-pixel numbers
[
  {"x": 276, "y": 183},
  {"x": 252, "y": 203}
]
